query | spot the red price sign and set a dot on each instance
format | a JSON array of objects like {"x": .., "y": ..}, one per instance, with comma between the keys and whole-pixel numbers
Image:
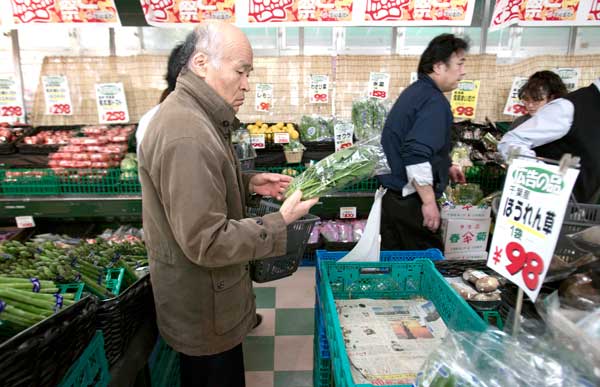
[
  {"x": 114, "y": 116},
  {"x": 379, "y": 94},
  {"x": 264, "y": 106},
  {"x": 528, "y": 263},
  {"x": 519, "y": 109},
  {"x": 464, "y": 111},
  {"x": 60, "y": 108},
  {"x": 320, "y": 97},
  {"x": 257, "y": 141},
  {"x": 346, "y": 145},
  {"x": 347, "y": 212},
  {"x": 281, "y": 138},
  {"x": 11, "y": 111}
]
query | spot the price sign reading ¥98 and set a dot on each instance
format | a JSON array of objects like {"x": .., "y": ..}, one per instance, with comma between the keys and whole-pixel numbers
[
  {"x": 464, "y": 99},
  {"x": 529, "y": 220},
  {"x": 513, "y": 106},
  {"x": 319, "y": 89},
  {"x": 379, "y": 84},
  {"x": 57, "y": 95},
  {"x": 11, "y": 103},
  {"x": 264, "y": 97},
  {"x": 111, "y": 103}
]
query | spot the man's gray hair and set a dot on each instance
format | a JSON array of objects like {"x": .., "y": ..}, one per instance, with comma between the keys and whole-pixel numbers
[{"x": 206, "y": 38}]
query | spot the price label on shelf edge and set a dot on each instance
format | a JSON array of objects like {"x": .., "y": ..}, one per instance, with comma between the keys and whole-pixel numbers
[
  {"x": 257, "y": 141},
  {"x": 464, "y": 99},
  {"x": 513, "y": 106},
  {"x": 111, "y": 103},
  {"x": 57, "y": 95},
  {"x": 319, "y": 89},
  {"x": 11, "y": 101},
  {"x": 347, "y": 212},
  {"x": 25, "y": 221},
  {"x": 379, "y": 84},
  {"x": 264, "y": 97},
  {"x": 281, "y": 138},
  {"x": 529, "y": 220}
]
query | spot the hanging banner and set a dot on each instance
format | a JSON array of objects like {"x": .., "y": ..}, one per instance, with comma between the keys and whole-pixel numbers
[
  {"x": 569, "y": 76},
  {"x": 379, "y": 84},
  {"x": 282, "y": 11},
  {"x": 111, "y": 103},
  {"x": 544, "y": 13},
  {"x": 11, "y": 101},
  {"x": 463, "y": 100},
  {"x": 57, "y": 95},
  {"x": 420, "y": 12},
  {"x": 529, "y": 220},
  {"x": 65, "y": 11},
  {"x": 513, "y": 106},
  {"x": 319, "y": 89},
  {"x": 165, "y": 12},
  {"x": 264, "y": 97}
]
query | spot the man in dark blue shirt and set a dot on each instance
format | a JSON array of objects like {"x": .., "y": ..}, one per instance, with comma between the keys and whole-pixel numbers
[{"x": 416, "y": 141}]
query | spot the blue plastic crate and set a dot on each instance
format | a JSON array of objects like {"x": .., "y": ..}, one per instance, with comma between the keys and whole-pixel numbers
[
  {"x": 401, "y": 280},
  {"x": 320, "y": 334},
  {"x": 384, "y": 256},
  {"x": 91, "y": 369},
  {"x": 321, "y": 368}
]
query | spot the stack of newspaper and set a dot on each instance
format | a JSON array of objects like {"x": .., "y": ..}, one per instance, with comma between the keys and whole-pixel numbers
[{"x": 388, "y": 341}]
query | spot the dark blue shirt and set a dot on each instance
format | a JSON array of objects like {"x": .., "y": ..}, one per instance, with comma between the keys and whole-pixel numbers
[{"x": 417, "y": 130}]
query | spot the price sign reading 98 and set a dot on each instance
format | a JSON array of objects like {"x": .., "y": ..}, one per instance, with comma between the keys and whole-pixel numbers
[
  {"x": 528, "y": 264},
  {"x": 319, "y": 89}
]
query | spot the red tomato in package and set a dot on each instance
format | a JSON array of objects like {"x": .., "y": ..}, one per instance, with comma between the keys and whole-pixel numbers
[
  {"x": 100, "y": 157},
  {"x": 53, "y": 163},
  {"x": 72, "y": 149},
  {"x": 94, "y": 148},
  {"x": 66, "y": 163},
  {"x": 101, "y": 164},
  {"x": 81, "y": 156},
  {"x": 82, "y": 164},
  {"x": 118, "y": 139}
]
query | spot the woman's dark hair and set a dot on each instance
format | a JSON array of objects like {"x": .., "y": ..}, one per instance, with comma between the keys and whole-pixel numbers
[
  {"x": 440, "y": 49},
  {"x": 543, "y": 84},
  {"x": 177, "y": 61}
]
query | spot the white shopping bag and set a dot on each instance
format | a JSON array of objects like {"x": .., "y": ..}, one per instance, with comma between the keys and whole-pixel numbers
[{"x": 368, "y": 247}]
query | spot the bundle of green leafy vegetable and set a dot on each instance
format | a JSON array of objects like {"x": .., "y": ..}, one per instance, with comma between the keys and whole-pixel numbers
[
  {"x": 340, "y": 169},
  {"x": 316, "y": 128},
  {"x": 368, "y": 117}
]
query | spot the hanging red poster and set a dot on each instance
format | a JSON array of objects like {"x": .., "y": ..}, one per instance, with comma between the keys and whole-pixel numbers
[
  {"x": 164, "y": 12},
  {"x": 545, "y": 13},
  {"x": 269, "y": 11},
  {"x": 419, "y": 10},
  {"x": 65, "y": 11}
]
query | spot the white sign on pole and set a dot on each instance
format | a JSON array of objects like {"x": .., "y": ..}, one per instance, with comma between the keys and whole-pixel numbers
[
  {"x": 570, "y": 76},
  {"x": 57, "y": 95},
  {"x": 343, "y": 135},
  {"x": 319, "y": 89},
  {"x": 11, "y": 101},
  {"x": 264, "y": 97},
  {"x": 529, "y": 220},
  {"x": 111, "y": 103},
  {"x": 513, "y": 106},
  {"x": 379, "y": 84}
]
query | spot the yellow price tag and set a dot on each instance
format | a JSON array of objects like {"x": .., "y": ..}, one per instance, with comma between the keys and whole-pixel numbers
[{"x": 464, "y": 99}]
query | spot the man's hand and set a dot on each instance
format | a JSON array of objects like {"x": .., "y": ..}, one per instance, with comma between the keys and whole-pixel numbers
[
  {"x": 294, "y": 208},
  {"x": 457, "y": 175},
  {"x": 431, "y": 215},
  {"x": 270, "y": 184}
]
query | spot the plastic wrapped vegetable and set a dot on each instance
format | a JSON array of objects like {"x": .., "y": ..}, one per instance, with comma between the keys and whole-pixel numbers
[
  {"x": 467, "y": 194},
  {"x": 368, "y": 117},
  {"x": 341, "y": 169},
  {"x": 316, "y": 128},
  {"x": 460, "y": 155}
]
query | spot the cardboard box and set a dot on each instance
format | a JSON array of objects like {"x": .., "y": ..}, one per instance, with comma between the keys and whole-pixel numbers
[
  {"x": 465, "y": 235},
  {"x": 466, "y": 211},
  {"x": 472, "y": 256}
]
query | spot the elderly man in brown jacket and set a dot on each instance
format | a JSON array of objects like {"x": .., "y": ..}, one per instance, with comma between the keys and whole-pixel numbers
[{"x": 194, "y": 195}]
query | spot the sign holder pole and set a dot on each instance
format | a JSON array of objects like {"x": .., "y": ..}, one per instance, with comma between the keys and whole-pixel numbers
[{"x": 566, "y": 161}]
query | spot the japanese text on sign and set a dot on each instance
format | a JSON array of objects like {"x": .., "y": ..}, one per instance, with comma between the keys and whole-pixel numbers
[
  {"x": 464, "y": 99},
  {"x": 65, "y": 11},
  {"x": 257, "y": 141},
  {"x": 343, "y": 133},
  {"x": 164, "y": 12},
  {"x": 405, "y": 10},
  {"x": 319, "y": 89},
  {"x": 11, "y": 103},
  {"x": 529, "y": 220},
  {"x": 111, "y": 103},
  {"x": 379, "y": 84},
  {"x": 264, "y": 97},
  {"x": 299, "y": 11},
  {"x": 347, "y": 212},
  {"x": 569, "y": 76},
  {"x": 513, "y": 106},
  {"x": 57, "y": 95}
]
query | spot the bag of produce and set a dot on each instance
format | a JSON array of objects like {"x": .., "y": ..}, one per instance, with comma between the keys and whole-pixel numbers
[
  {"x": 316, "y": 128},
  {"x": 368, "y": 117},
  {"x": 340, "y": 169}
]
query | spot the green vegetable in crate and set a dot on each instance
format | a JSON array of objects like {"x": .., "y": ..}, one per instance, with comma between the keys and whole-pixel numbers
[
  {"x": 368, "y": 117},
  {"x": 341, "y": 169},
  {"x": 315, "y": 128},
  {"x": 467, "y": 194}
]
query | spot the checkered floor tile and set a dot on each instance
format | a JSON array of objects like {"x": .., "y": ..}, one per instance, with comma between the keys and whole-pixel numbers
[{"x": 279, "y": 353}]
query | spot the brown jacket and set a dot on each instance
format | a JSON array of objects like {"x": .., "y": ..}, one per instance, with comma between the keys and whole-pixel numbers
[{"x": 199, "y": 244}]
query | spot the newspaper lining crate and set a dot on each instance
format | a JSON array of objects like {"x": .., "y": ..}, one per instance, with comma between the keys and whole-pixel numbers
[{"x": 405, "y": 280}]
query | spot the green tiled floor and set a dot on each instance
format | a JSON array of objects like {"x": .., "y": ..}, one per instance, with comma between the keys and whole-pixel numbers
[{"x": 285, "y": 358}]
